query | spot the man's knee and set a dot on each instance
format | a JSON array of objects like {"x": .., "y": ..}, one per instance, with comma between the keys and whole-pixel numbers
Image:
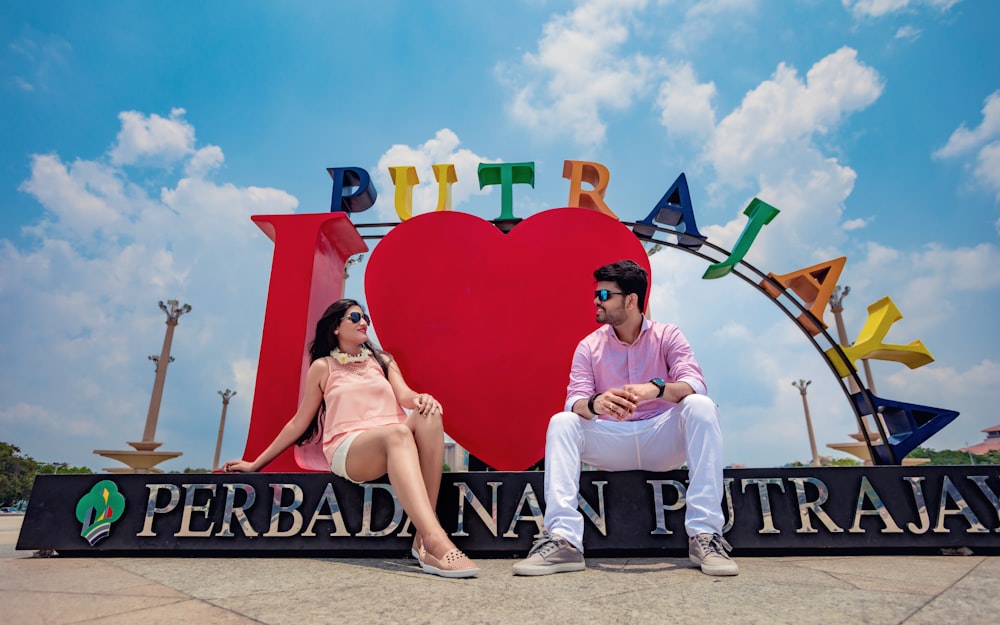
[
  {"x": 700, "y": 408},
  {"x": 563, "y": 423}
]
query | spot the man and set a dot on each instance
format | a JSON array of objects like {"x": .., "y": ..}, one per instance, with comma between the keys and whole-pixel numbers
[{"x": 636, "y": 400}]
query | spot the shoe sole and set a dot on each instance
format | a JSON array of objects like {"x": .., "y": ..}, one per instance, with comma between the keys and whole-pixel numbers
[
  {"x": 548, "y": 569},
  {"x": 433, "y": 570},
  {"x": 715, "y": 572}
]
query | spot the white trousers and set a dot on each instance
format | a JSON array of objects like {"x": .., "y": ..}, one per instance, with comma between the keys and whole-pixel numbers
[{"x": 688, "y": 432}]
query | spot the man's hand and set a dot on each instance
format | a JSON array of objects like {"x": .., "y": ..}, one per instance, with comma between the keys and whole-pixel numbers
[
  {"x": 644, "y": 391},
  {"x": 673, "y": 392},
  {"x": 618, "y": 403}
]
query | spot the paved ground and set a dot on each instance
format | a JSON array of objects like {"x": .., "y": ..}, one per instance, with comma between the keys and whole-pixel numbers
[{"x": 301, "y": 591}]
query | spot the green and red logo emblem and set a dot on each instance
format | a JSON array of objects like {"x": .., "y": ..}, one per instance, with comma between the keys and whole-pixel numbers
[{"x": 98, "y": 509}]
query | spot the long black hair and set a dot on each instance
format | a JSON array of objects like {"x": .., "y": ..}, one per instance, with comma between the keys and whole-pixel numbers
[{"x": 324, "y": 341}]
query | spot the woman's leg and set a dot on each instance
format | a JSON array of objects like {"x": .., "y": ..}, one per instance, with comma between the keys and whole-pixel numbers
[
  {"x": 392, "y": 449},
  {"x": 428, "y": 433}
]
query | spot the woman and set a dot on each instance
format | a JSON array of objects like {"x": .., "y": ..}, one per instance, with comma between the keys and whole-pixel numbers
[{"x": 354, "y": 400}]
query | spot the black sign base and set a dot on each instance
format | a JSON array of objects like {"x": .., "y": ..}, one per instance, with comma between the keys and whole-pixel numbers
[{"x": 869, "y": 510}]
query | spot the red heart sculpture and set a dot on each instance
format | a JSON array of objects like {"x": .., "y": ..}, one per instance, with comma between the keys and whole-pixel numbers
[{"x": 487, "y": 322}]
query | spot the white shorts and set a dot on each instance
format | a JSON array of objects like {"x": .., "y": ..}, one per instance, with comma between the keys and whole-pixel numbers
[{"x": 339, "y": 463}]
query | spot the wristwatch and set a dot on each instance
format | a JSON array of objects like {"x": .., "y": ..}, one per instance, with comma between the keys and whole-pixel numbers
[
  {"x": 590, "y": 404},
  {"x": 660, "y": 384}
]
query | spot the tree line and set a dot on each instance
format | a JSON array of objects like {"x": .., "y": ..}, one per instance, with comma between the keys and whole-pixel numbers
[{"x": 18, "y": 471}]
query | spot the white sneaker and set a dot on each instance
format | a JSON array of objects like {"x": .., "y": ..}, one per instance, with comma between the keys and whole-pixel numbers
[
  {"x": 709, "y": 552},
  {"x": 550, "y": 554}
]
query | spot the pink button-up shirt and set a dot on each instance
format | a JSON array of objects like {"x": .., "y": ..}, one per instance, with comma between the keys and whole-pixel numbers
[{"x": 602, "y": 361}]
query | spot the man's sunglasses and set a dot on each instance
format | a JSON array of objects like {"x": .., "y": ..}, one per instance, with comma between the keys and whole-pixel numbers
[
  {"x": 356, "y": 317},
  {"x": 604, "y": 294}
]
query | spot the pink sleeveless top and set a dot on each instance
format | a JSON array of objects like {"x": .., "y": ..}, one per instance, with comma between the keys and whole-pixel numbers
[{"x": 358, "y": 397}]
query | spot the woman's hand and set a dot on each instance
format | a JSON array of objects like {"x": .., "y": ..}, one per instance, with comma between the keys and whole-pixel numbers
[
  {"x": 426, "y": 405},
  {"x": 237, "y": 466}
]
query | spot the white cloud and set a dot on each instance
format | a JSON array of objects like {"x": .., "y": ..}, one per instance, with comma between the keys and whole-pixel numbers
[
  {"x": 23, "y": 84},
  {"x": 40, "y": 60},
  {"x": 959, "y": 269},
  {"x": 442, "y": 149},
  {"x": 963, "y": 140},
  {"x": 931, "y": 287},
  {"x": 880, "y": 8},
  {"x": 856, "y": 224},
  {"x": 981, "y": 375},
  {"x": 984, "y": 141},
  {"x": 910, "y": 33},
  {"x": 204, "y": 161},
  {"x": 786, "y": 111},
  {"x": 686, "y": 104},
  {"x": 78, "y": 302},
  {"x": 970, "y": 392},
  {"x": 576, "y": 73},
  {"x": 987, "y": 169},
  {"x": 49, "y": 420},
  {"x": 769, "y": 145},
  {"x": 152, "y": 139},
  {"x": 583, "y": 69},
  {"x": 705, "y": 18},
  {"x": 244, "y": 377},
  {"x": 84, "y": 197},
  {"x": 875, "y": 8}
]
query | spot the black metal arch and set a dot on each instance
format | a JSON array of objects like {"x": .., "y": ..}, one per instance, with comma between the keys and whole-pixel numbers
[{"x": 792, "y": 312}]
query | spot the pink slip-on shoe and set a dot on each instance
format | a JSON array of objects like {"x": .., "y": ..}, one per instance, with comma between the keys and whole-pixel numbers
[
  {"x": 418, "y": 552},
  {"x": 453, "y": 564}
]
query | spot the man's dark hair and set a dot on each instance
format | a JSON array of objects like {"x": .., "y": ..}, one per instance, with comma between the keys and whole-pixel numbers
[{"x": 628, "y": 275}]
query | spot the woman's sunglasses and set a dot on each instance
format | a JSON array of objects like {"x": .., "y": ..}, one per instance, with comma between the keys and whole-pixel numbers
[
  {"x": 604, "y": 294},
  {"x": 356, "y": 317}
]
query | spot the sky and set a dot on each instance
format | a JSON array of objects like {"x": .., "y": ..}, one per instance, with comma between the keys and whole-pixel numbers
[{"x": 137, "y": 139}]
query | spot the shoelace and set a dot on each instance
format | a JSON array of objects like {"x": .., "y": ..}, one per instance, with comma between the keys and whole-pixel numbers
[
  {"x": 544, "y": 545},
  {"x": 714, "y": 543}
]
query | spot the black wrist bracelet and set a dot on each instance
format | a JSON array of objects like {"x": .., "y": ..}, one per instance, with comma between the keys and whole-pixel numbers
[{"x": 590, "y": 404}]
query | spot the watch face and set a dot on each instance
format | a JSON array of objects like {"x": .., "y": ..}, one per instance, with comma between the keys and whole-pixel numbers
[{"x": 661, "y": 385}]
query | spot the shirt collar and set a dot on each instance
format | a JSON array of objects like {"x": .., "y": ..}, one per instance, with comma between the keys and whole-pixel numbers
[{"x": 646, "y": 324}]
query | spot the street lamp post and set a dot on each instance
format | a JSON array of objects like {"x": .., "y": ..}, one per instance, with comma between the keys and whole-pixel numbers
[
  {"x": 837, "y": 308},
  {"x": 143, "y": 457},
  {"x": 174, "y": 313},
  {"x": 156, "y": 361},
  {"x": 802, "y": 385},
  {"x": 226, "y": 396},
  {"x": 350, "y": 263}
]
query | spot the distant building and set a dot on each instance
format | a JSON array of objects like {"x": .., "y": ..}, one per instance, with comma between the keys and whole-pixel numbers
[
  {"x": 992, "y": 442},
  {"x": 455, "y": 456}
]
